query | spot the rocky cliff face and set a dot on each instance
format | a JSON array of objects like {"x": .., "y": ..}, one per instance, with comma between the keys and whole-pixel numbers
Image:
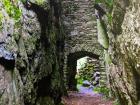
[
  {"x": 31, "y": 53},
  {"x": 124, "y": 73}
]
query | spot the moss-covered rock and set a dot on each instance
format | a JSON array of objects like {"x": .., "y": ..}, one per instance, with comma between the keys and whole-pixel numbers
[{"x": 36, "y": 78}]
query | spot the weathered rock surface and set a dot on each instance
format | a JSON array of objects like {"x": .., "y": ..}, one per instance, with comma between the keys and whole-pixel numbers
[
  {"x": 32, "y": 49},
  {"x": 124, "y": 74},
  {"x": 36, "y": 41}
]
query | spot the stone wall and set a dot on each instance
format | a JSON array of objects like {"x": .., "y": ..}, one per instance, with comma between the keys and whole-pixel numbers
[
  {"x": 33, "y": 44},
  {"x": 81, "y": 30},
  {"x": 81, "y": 27}
]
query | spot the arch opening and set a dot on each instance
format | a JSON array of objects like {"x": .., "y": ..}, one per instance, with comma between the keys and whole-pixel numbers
[{"x": 73, "y": 76}]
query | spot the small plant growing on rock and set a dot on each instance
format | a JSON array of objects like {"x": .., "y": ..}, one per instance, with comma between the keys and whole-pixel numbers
[
  {"x": 12, "y": 9},
  {"x": 102, "y": 90}
]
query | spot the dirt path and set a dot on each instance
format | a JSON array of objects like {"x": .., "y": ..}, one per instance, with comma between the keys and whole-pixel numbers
[{"x": 76, "y": 98}]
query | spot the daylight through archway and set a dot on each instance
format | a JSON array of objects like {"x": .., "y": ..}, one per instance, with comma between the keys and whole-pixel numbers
[{"x": 90, "y": 58}]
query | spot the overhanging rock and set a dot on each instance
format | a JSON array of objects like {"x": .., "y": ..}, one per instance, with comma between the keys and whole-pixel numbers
[{"x": 7, "y": 58}]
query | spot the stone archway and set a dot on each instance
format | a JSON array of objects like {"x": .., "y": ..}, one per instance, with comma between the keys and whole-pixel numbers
[
  {"x": 71, "y": 67},
  {"x": 81, "y": 32}
]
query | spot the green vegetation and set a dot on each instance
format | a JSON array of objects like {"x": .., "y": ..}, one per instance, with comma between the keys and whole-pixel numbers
[
  {"x": 12, "y": 9},
  {"x": 109, "y": 16},
  {"x": 85, "y": 73},
  {"x": 103, "y": 90},
  {"x": 108, "y": 3},
  {"x": 78, "y": 86},
  {"x": 79, "y": 80},
  {"x": 40, "y": 2},
  {"x": 85, "y": 70},
  {"x": 107, "y": 57},
  {"x": 102, "y": 30},
  {"x": 109, "y": 6},
  {"x": 102, "y": 34},
  {"x": 1, "y": 17}
]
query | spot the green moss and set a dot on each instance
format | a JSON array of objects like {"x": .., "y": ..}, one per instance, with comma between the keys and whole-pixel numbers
[
  {"x": 40, "y": 2},
  {"x": 109, "y": 7},
  {"x": 30, "y": 44},
  {"x": 102, "y": 34},
  {"x": 108, "y": 3},
  {"x": 109, "y": 18},
  {"x": 1, "y": 17},
  {"x": 12, "y": 10},
  {"x": 85, "y": 73},
  {"x": 107, "y": 57},
  {"x": 103, "y": 90}
]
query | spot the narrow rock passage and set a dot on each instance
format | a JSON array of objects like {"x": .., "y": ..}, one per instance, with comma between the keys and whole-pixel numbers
[{"x": 85, "y": 96}]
